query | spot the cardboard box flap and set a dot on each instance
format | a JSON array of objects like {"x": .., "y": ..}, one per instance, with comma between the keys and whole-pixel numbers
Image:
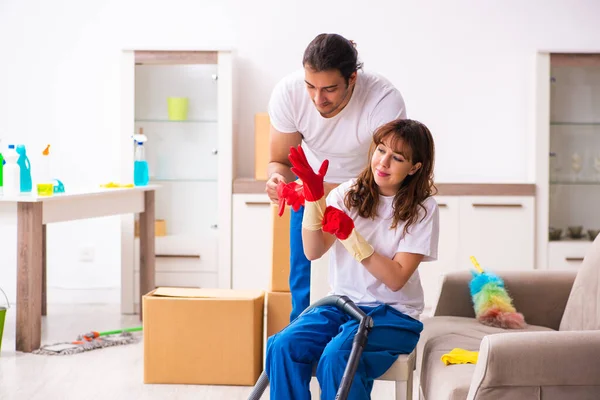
[{"x": 207, "y": 293}]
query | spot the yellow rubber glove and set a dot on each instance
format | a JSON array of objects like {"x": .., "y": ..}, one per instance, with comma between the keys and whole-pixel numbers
[
  {"x": 357, "y": 246},
  {"x": 313, "y": 214},
  {"x": 460, "y": 356}
]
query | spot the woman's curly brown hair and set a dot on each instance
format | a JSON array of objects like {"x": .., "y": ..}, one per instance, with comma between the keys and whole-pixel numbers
[{"x": 418, "y": 146}]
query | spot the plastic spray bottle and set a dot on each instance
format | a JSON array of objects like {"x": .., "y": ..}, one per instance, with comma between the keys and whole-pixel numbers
[
  {"x": 12, "y": 172},
  {"x": 25, "y": 167},
  {"x": 140, "y": 166}
]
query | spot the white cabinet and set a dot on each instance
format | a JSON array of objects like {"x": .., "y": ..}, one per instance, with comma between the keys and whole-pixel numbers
[
  {"x": 499, "y": 231},
  {"x": 181, "y": 261},
  {"x": 567, "y": 254},
  {"x": 252, "y": 242},
  {"x": 567, "y": 156},
  {"x": 189, "y": 153},
  {"x": 431, "y": 273}
]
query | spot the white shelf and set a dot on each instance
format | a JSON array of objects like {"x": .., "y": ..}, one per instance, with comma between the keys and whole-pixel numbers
[{"x": 191, "y": 160}]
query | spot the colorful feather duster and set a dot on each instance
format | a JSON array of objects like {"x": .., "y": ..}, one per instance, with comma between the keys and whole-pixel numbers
[{"x": 493, "y": 306}]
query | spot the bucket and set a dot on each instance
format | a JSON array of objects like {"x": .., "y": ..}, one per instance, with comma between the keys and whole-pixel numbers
[
  {"x": 177, "y": 108},
  {"x": 3, "y": 316}
]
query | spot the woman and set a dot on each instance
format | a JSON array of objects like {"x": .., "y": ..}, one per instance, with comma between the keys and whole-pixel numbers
[{"x": 380, "y": 227}]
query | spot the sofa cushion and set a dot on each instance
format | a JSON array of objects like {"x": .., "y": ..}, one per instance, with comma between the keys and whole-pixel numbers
[
  {"x": 439, "y": 336},
  {"x": 582, "y": 311}
]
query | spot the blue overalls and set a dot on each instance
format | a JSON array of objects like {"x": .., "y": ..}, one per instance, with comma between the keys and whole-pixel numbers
[
  {"x": 324, "y": 335},
  {"x": 299, "y": 266}
]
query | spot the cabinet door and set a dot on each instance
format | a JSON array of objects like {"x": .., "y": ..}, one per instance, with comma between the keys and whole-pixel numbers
[
  {"x": 499, "y": 231},
  {"x": 567, "y": 254},
  {"x": 431, "y": 273},
  {"x": 252, "y": 241}
]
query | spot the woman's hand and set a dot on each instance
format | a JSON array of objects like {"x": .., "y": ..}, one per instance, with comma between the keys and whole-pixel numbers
[
  {"x": 337, "y": 222},
  {"x": 313, "y": 183}
]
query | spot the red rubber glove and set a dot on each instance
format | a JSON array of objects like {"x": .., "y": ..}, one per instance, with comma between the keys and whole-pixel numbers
[
  {"x": 313, "y": 183},
  {"x": 337, "y": 222},
  {"x": 290, "y": 193}
]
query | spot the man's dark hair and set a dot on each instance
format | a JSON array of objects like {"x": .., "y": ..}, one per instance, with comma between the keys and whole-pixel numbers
[{"x": 329, "y": 51}]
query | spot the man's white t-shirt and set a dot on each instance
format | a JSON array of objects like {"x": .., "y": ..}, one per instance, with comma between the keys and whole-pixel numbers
[
  {"x": 345, "y": 138},
  {"x": 349, "y": 277}
]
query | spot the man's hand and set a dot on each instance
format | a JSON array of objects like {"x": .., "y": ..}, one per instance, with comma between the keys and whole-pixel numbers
[
  {"x": 272, "y": 184},
  {"x": 291, "y": 193}
]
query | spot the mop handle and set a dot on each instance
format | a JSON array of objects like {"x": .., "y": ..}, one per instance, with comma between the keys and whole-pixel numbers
[
  {"x": 476, "y": 264},
  {"x": 136, "y": 329}
]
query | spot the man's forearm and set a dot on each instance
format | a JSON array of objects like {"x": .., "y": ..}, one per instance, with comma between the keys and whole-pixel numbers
[{"x": 280, "y": 168}]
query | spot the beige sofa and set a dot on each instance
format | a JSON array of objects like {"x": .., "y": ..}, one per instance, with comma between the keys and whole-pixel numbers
[{"x": 556, "y": 357}]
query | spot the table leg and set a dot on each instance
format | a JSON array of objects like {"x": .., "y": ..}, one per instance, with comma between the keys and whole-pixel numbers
[
  {"x": 29, "y": 276},
  {"x": 147, "y": 253},
  {"x": 44, "y": 285}
]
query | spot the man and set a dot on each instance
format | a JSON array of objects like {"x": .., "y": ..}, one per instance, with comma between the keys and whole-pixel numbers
[{"x": 332, "y": 109}]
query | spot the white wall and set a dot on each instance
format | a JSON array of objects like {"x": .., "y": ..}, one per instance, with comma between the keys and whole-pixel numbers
[{"x": 465, "y": 68}]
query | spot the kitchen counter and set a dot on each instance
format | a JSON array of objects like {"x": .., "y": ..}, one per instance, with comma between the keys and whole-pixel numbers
[{"x": 253, "y": 186}]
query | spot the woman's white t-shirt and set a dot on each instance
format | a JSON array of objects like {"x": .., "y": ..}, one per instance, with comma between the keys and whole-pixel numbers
[
  {"x": 349, "y": 277},
  {"x": 345, "y": 138}
]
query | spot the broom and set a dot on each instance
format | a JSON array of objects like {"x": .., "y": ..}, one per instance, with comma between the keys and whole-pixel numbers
[
  {"x": 91, "y": 341},
  {"x": 493, "y": 306}
]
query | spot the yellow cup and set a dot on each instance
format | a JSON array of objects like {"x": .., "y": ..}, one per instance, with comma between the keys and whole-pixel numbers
[
  {"x": 45, "y": 189},
  {"x": 177, "y": 108}
]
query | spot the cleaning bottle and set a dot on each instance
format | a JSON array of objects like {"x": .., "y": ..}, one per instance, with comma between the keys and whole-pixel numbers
[
  {"x": 12, "y": 172},
  {"x": 140, "y": 166},
  {"x": 45, "y": 186},
  {"x": 25, "y": 167}
]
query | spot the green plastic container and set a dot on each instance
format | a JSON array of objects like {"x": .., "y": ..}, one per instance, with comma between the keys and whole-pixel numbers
[
  {"x": 3, "y": 316},
  {"x": 177, "y": 108}
]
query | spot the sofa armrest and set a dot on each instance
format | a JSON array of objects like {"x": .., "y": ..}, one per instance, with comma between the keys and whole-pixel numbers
[
  {"x": 536, "y": 359},
  {"x": 539, "y": 295}
]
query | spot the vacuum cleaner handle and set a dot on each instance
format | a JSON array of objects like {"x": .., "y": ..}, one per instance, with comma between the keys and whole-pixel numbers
[
  {"x": 344, "y": 304},
  {"x": 365, "y": 324}
]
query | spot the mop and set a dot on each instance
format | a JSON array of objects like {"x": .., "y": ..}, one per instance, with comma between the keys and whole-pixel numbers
[{"x": 91, "y": 341}]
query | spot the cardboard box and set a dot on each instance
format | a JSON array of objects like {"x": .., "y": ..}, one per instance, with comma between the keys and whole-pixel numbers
[
  {"x": 262, "y": 126},
  {"x": 203, "y": 336},
  {"x": 160, "y": 228},
  {"x": 279, "y": 308},
  {"x": 280, "y": 266}
]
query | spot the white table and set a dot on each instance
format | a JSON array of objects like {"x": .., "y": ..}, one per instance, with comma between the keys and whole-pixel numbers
[{"x": 34, "y": 213}]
